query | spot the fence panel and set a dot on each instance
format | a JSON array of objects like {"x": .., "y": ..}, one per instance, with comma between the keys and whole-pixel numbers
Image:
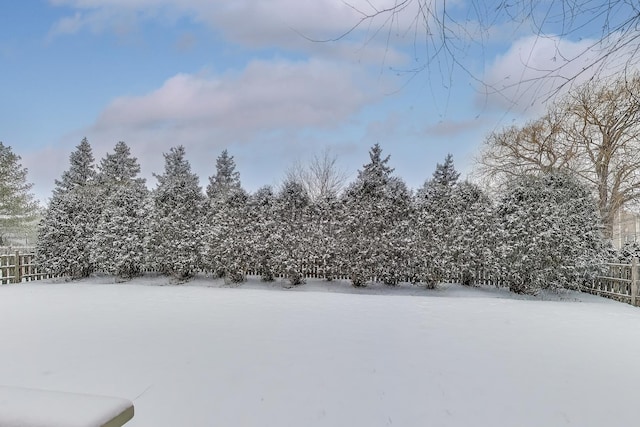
[
  {"x": 19, "y": 265},
  {"x": 620, "y": 282}
]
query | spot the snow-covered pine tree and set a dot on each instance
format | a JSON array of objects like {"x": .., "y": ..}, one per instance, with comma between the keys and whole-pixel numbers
[
  {"x": 118, "y": 168},
  {"x": 173, "y": 244},
  {"x": 17, "y": 205},
  {"x": 473, "y": 235},
  {"x": 226, "y": 177},
  {"x": 365, "y": 220},
  {"x": 118, "y": 244},
  {"x": 81, "y": 170},
  {"x": 293, "y": 241},
  {"x": 70, "y": 220},
  {"x": 324, "y": 229},
  {"x": 396, "y": 236},
  {"x": 445, "y": 173},
  {"x": 55, "y": 231},
  {"x": 262, "y": 232},
  {"x": 550, "y": 233},
  {"x": 227, "y": 234},
  {"x": 225, "y": 223},
  {"x": 435, "y": 217}
]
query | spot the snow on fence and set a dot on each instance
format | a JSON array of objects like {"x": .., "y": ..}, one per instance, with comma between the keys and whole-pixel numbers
[
  {"x": 620, "y": 282},
  {"x": 18, "y": 265}
]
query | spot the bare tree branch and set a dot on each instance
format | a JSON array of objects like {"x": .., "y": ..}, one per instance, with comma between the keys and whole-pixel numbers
[
  {"x": 444, "y": 35},
  {"x": 320, "y": 176}
]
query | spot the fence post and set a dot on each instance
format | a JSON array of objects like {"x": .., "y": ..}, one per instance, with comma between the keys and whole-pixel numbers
[
  {"x": 634, "y": 281},
  {"x": 18, "y": 269},
  {"x": 4, "y": 271}
]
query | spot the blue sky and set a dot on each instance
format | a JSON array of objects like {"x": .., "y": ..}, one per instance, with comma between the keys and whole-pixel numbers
[{"x": 216, "y": 74}]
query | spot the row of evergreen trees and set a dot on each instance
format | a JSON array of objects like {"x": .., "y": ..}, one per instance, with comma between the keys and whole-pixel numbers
[{"x": 544, "y": 232}]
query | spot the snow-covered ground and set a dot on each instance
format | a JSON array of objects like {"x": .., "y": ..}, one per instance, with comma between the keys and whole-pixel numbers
[{"x": 202, "y": 354}]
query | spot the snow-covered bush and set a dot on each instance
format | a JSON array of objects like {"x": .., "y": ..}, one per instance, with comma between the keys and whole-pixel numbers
[
  {"x": 550, "y": 234},
  {"x": 628, "y": 251}
]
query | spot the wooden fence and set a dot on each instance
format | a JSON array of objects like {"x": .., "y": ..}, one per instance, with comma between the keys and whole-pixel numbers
[
  {"x": 18, "y": 265},
  {"x": 620, "y": 282}
]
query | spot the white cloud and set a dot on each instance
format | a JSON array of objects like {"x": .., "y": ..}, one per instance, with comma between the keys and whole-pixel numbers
[
  {"x": 247, "y": 20},
  {"x": 265, "y": 96},
  {"x": 285, "y": 24},
  {"x": 536, "y": 69},
  {"x": 69, "y": 24}
]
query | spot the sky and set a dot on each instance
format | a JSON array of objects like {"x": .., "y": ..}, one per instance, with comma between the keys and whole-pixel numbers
[{"x": 267, "y": 82}]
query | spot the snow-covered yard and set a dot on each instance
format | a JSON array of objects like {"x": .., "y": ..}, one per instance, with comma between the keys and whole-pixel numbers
[{"x": 202, "y": 355}]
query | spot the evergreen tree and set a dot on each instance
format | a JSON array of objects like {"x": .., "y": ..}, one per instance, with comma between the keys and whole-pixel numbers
[
  {"x": 173, "y": 244},
  {"x": 435, "y": 218},
  {"x": 324, "y": 229},
  {"x": 396, "y": 243},
  {"x": 227, "y": 235},
  {"x": 292, "y": 243},
  {"x": 473, "y": 235},
  {"x": 117, "y": 247},
  {"x": 550, "y": 233},
  {"x": 263, "y": 232},
  {"x": 17, "y": 204},
  {"x": 65, "y": 233},
  {"x": 453, "y": 231},
  {"x": 118, "y": 244},
  {"x": 119, "y": 168},
  {"x": 57, "y": 250},
  {"x": 81, "y": 172},
  {"x": 226, "y": 178},
  {"x": 375, "y": 175},
  {"x": 446, "y": 174},
  {"x": 225, "y": 226},
  {"x": 368, "y": 212}
]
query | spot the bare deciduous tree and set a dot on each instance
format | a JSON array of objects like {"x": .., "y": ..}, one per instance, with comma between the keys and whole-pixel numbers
[
  {"x": 538, "y": 146},
  {"x": 605, "y": 124},
  {"x": 594, "y": 132},
  {"x": 321, "y": 176}
]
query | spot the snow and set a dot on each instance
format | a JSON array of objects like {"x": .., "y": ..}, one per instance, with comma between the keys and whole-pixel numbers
[
  {"x": 202, "y": 354},
  {"x": 21, "y": 407}
]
